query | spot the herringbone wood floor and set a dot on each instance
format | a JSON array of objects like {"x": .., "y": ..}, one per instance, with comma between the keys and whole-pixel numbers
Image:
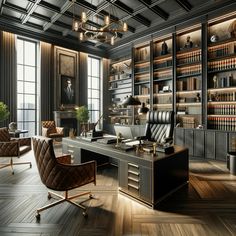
[{"x": 206, "y": 207}]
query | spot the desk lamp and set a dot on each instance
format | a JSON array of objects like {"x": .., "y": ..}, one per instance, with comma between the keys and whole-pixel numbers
[{"x": 131, "y": 101}]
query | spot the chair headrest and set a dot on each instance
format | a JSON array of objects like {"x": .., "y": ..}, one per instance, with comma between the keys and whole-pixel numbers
[{"x": 160, "y": 117}]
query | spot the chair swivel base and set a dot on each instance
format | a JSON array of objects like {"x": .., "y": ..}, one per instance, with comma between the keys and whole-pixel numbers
[
  {"x": 63, "y": 199},
  {"x": 3, "y": 165}
]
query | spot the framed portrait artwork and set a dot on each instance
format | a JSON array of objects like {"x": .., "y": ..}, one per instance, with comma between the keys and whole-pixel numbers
[{"x": 67, "y": 90}]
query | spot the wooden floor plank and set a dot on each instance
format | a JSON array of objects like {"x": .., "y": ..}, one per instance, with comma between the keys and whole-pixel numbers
[{"x": 207, "y": 206}]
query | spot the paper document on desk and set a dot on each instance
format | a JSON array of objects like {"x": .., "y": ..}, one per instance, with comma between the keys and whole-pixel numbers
[{"x": 132, "y": 143}]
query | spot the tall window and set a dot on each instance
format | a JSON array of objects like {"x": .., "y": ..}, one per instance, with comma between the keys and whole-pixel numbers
[
  {"x": 94, "y": 88},
  {"x": 27, "y": 85}
]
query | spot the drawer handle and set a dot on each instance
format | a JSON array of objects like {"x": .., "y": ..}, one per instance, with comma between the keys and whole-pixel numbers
[
  {"x": 133, "y": 179},
  {"x": 133, "y": 186},
  {"x": 131, "y": 164},
  {"x": 133, "y": 172},
  {"x": 70, "y": 151},
  {"x": 71, "y": 146}
]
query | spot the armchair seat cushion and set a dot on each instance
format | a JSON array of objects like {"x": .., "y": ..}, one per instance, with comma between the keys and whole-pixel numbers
[{"x": 24, "y": 149}]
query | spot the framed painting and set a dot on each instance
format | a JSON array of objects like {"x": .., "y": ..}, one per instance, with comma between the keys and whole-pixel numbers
[{"x": 67, "y": 90}]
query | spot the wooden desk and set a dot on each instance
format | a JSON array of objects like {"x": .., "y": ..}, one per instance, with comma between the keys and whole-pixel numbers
[{"x": 141, "y": 175}]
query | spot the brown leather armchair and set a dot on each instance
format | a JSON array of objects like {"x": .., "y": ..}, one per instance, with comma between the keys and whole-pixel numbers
[
  {"x": 58, "y": 175},
  {"x": 13, "y": 147},
  {"x": 50, "y": 130}
]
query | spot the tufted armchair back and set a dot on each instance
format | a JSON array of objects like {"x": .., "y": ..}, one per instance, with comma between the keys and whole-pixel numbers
[
  {"x": 58, "y": 176},
  {"x": 160, "y": 126},
  {"x": 50, "y": 130},
  {"x": 4, "y": 135}
]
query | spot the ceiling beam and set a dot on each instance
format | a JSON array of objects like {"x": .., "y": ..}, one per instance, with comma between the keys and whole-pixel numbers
[
  {"x": 56, "y": 16},
  {"x": 130, "y": 11},
  {"x": 185, "y": 4},
  {"x": 157, "y": 10},
  {"x": 1, "y": 5},
  {"x": 30, "y": 10}
]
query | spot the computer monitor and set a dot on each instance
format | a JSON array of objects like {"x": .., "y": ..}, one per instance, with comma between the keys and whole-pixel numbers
[{"x": 125, "y": 131}]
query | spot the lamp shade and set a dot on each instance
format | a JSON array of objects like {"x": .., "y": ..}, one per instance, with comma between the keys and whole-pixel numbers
[
  {"x": 131, "y": 101},
  {"x": 143, "y": 109}
]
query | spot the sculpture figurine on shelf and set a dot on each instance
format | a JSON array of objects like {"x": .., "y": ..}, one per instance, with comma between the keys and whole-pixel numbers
[
  {"x": 198, "y": 99},
  {"x": 164, "y": 48},
  {"x": 215, "y": 80},
  {"x": 189, "y": 43}
]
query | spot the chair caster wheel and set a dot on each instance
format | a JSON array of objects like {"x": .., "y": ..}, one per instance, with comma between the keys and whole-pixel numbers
[
  {"x": 12, "y": 173},
  {"x": 85, "y": 214},
  {"x": 38, "y": 217},
  {"x": 30, "y": 165},
  {"x": 49, "y": 196},
  {"x": 90, "y": 196}
]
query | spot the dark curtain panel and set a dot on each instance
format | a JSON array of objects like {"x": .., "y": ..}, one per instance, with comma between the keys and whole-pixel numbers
[
  {"x": 46, "y": 93},
  {"x": 83, "y": 75},
  {"x": 8, "y": 74}
]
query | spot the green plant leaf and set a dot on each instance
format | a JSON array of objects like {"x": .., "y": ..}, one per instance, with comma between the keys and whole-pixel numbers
[{"x": 4, "y": 113}]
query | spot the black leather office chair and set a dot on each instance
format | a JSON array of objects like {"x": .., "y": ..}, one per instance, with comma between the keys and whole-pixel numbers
[{"x": 159, "y": 127}]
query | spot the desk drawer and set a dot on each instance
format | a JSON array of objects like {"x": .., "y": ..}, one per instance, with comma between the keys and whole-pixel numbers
[{"x": 133, "y": 178}]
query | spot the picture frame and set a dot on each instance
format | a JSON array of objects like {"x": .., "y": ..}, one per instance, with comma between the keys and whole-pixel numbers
[{"x": 67, "y": 90}]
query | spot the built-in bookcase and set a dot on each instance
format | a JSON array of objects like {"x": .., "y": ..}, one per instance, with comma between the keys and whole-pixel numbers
[
  {"x": 189, "y": 77},
  {"x": 163, "y": 73},
  {"x": 222, "y": 74}
]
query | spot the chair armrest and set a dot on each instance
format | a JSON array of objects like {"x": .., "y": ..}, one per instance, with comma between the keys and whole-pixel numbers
[
  {"x": 60, "y": 130},
  {"x": 44, "y": 132},
  {"x": 140, "y": 137},
  {"x": 168, "y": 140},
  {"x": 64, "y": 159},
  {"x": 9, "y": 149},
  {"x": 23, "y": 141}
]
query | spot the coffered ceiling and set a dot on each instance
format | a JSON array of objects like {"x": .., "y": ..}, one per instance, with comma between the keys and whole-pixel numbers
[{"x": 52, "y": 19}]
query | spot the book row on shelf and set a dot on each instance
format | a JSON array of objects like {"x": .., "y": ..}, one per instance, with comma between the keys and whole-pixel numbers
[
  {"x": 162, "y": 100},
  {"x": 222, "y": 50},
  {"x": 141, "y": 69},
  {"x": 187, "y": 122},
  {"x": 222, "y": 123},
  {"x": 163, "y": 75},
  {"x": 225, "y": 97},
  {"x": 222, "y": 64},
  {"x": 222, "y": 109},
  {"x": 143, "y": 90},
  {"x": 189, "y": 70},
  {"x": 163, "y": 64},
  {"x": 189, "y": 58},
  {"x": 191, "y": 83}
]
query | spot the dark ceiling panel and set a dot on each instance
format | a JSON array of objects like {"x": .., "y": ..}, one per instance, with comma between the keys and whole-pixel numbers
[{"x": 55, "y": 17}]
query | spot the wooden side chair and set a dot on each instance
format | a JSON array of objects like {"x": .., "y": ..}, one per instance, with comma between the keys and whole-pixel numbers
[
  {"x": 13, "y": 147},
  {"x": 58, "y": 174}
]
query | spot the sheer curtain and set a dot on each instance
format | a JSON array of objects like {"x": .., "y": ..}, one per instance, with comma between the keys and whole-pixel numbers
[{"x": 8, "y": 74}]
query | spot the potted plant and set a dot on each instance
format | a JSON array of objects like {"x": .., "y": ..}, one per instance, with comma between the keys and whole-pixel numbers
[
  {"x": 82, "y": 115},
  {"x": 4, "y": 113}
]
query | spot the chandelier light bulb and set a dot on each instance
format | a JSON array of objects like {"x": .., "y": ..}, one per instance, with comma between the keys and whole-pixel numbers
[
  {"x": 81, "y": 36},
  {"x": 107, "y": 20},
  {"x": 75, "y": 25},
  {"x": 83, "y": 17},
  {"x": 125, "y": 26},
  {"x": 112, "y": 40}
]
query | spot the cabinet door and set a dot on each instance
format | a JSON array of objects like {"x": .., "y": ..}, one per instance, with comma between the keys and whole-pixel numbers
[
  {"x": 209, "y": 144},
  {"x": 232, "y": 142},
  {"x": 179, "y": 136},
  {"x": 146, "y": 184},
  {"x": 198, "y": 149},
  {"x": 188, "y": 140},
  {"x": 221, "y": 146},
  {"x": 123, "y": 174}
]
